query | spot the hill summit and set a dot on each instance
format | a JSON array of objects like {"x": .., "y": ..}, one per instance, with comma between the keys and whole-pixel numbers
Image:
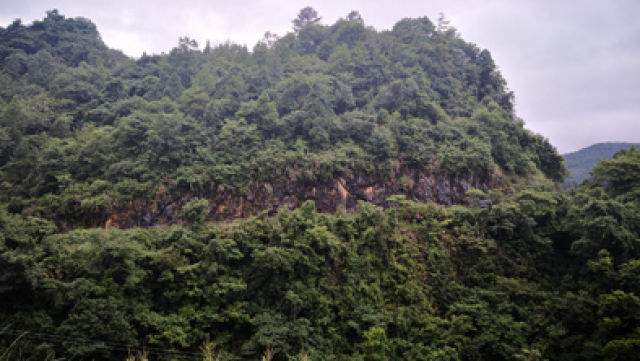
[{"x": 331, "y": 113}]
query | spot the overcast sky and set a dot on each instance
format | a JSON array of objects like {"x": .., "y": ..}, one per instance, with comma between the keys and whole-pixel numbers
[{"x": 574, "y": 65}]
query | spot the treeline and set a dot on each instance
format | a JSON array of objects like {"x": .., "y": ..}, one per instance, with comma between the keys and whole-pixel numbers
[
  {"x": 581, "y": 162},
  {"x": 536, "y": 276},
  {"x": 84, "y": 130}
]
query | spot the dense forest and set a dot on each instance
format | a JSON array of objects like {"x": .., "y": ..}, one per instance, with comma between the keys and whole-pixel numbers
[
  {"x": 337, "y": 193},
  {"x": 335, "y": 113}
]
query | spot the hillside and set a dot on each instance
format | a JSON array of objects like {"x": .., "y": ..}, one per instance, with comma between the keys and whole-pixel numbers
[
  {"x": 581, "y": 162},
  {"x": 333, "y": 114},
  {"x": 338, "y": 193},
  {"x": 538, "y": 275}
]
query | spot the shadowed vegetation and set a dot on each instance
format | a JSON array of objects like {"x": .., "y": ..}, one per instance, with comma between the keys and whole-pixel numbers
[{"x": 523, "y": 272}]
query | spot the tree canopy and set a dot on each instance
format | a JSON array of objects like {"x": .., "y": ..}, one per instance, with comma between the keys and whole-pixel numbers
[
  {"x": 87, "y": 133},
  {"x": 537, "y": 275},
  {"x": 381, "y": 201}
]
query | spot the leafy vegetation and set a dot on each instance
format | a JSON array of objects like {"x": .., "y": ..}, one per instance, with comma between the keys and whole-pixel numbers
[
  {"x": 580, "y": 163},
  {"x": 86, "y": 132},
  {"x": 538, "y": 275},
  {"x": 522, "y": 272}
]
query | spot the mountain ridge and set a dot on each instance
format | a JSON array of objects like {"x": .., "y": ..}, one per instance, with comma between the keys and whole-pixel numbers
[
  {"x": 90, "y": 135},
  {"x": 580, "y": 162}
]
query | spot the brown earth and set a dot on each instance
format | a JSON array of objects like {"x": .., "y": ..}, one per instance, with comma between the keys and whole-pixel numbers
[{"x": 420, "y": 185}]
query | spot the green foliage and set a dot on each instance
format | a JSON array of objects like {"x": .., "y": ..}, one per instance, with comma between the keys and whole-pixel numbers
[
  {"x": 195, "y": 211},
  {"x": 581, "y": 162},
  {"x": 536, "y": 275},
  {"x": 73, "y": 112},
  {"x": 622, "y": 173},
  {"x": 88, "y": 135}
]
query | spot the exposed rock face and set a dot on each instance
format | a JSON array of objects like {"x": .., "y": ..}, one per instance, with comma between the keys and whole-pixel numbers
[{"x": 421, "y": 185}]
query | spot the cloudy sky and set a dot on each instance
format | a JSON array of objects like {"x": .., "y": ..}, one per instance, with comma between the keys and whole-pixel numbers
[{"x": 574, "y": 65}]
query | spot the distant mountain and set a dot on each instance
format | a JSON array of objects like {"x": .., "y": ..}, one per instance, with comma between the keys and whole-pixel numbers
[{"x": 580, "y": 163}]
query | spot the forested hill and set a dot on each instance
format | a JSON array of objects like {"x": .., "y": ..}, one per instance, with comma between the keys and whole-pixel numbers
[
  {"x": 332, "y": 113},
  {"x": 581, "y": 162},
  {"x": 304, "y": 126}
]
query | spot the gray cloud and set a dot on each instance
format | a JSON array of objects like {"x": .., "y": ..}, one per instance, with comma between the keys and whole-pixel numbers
[{"x": 573, "y": 65}]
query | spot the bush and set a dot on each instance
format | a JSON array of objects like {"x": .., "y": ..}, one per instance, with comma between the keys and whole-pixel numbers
[{"x": 195, "y": 211}]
